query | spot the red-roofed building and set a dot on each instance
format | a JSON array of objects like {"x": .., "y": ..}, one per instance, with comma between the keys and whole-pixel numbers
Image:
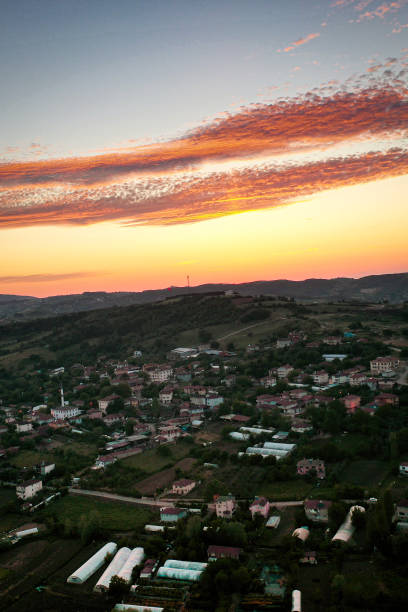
[
  {"x": 223, "y": 552},
  {"x": 304, "y": 466},
  {"x": 184, "y": 486},
  {"x": 317, "y": 510},
  {"x": 352, "y": 402}
]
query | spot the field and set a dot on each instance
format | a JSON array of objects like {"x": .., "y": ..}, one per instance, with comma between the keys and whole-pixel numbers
[
  {"x": 365, "y": 473},
  {"x": 152, "y": 461},
  {"x": 28, "y": 458},
  {"x": 163, "y": 479},
  {"x": 48, "y": 563},
  {"x": 114, "y": 516},
  {"x": 286, "y": 490}
]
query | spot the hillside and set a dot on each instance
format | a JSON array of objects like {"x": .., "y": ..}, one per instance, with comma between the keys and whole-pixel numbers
[
  {"x": 391, "y": 287},
  {"x": 180, "y": 321}
]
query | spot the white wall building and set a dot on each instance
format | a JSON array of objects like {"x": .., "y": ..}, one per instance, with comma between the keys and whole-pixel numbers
[{"x": 28, "y": 489}]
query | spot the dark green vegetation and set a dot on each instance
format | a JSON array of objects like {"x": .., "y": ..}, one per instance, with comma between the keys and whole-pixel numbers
[{"x": 67, "y": 515}]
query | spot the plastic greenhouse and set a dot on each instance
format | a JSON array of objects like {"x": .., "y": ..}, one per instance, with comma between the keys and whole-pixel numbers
[
  {"x": 93, "y": 564},
  {"x": 113, "y": 569},
  {"x": 135, "y": 558}
]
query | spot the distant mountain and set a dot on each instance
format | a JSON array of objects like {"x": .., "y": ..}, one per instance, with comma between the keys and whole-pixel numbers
[{"x": 391, "y": 287}]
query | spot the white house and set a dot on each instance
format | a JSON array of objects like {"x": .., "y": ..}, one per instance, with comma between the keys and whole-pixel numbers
[
  {"x": 403, "y": 468},
  {"x": 21, "y": 427},
  {"x": 184, "y": 486},
  {"x": 225, "y": 506},
  {"x": 29, "y": 488}
]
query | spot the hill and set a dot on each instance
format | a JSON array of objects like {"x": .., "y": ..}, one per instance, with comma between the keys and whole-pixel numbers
[{"x": 376, "y": 288}]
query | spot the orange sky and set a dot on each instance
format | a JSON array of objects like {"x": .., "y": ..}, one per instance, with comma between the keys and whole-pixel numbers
[{"x": 352, "y": 231}]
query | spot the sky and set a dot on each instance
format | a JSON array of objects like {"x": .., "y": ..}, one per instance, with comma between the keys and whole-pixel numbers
[{"x": 142, "y": 142}]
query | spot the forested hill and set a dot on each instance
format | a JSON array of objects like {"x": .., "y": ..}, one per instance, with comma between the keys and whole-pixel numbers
[
  {"x": 116, "y": 331},
  {"x": 391, "y": 287}
]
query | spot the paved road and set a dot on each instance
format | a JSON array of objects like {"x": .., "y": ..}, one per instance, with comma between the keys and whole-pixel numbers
[
  {"x": 150, "y": 501},
  {"x": 142, "y": 501}
]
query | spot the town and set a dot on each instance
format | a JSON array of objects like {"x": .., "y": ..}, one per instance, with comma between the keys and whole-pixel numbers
[{"x": 208, "y": 452}]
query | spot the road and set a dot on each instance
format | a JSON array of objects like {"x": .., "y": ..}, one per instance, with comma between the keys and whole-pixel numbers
[
  {"x": 141, "y": 501},
  {"x": 150, "y": 501},
  {"x": 234, "y": 333}
]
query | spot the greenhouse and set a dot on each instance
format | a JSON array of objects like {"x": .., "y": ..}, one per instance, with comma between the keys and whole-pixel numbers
[
  {"x": 113, "y": 569},
  {"x": 192, "y": 565},
  {"x": 93, "y": 564},
  {"x": 279, "y": 446},
  {"x": 135, "y": 558},
  {"x": 179, "y": 574},
  {"x": 347, "y": 528},
  {"x": 266, "y": 452},
  {"x": 237, "y": 435},
  {"x": 120, "y": 607}
]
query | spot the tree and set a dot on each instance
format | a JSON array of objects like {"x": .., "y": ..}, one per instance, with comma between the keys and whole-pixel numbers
[{"x": 118, "y": 587}]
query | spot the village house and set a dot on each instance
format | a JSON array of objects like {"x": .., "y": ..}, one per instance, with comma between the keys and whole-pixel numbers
[
  {"x": 332, "y": 340},
  {"x": 213, "y": 400},
  {"x": 225, "y": 506},
  {"x": 301, "y": 426},
  {"x": 283, "y": 342},
  {"x": 105, "y": 401},
  {"x": 401, "y": 511},
  {"x": 290, "y": 408},
  {"x": 158, "y": 373},
  {"x": 223, "y": 552},
  {"x": 29, "y": 488},
  {"x": 384, "y": 364},
  {"x": 266, "y": 400},
  {"x": 351, "y": 402},
  {"x": 184, "y": 486},
  {"x": 339, "y": 378},
  {"x": 172, "y": 515},
  {"x": 403, "y": 468},
  {"x": 305, "y": 466},
  {"x": 169, "y": 433},
  {"x": 357, "y": 379},
  {"x": 317, "y": 510},
  {"x": 268, "y": 381},
  {"x": 94, "y": 414},
  {"x": 110, "y": 419},
  {"x": 260, "y": 505},
  {"x": 386, "y": 399},
  {"x": 321, "y": 377},
  {"x": 104, "y": 460},
  {"x": 22, "y": 427},
  {"x": 166, "y": 395},
  {"x": 46, "y": 468},
  {"x": 284, "y": 371}
]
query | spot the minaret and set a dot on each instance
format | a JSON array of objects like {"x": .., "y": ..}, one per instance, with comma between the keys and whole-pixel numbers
[{"x": 62, "y": 397}]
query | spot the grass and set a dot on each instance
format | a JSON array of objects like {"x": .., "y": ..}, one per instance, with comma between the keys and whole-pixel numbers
[
  {"x": 4, "y": 573},
  {"x": 6, "y": 495},
  {"x": 152, "y": 461},
  {"x": 11, "y": 521},
  {"x": 285, "y": 491},
  {"x": 350, "y": 442},
  {"x": 28, "y": 458},
  {"x": 114, "y": 516},
  {"x": 365, "y": 473},
  {"x": 82, "y": 448}
]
